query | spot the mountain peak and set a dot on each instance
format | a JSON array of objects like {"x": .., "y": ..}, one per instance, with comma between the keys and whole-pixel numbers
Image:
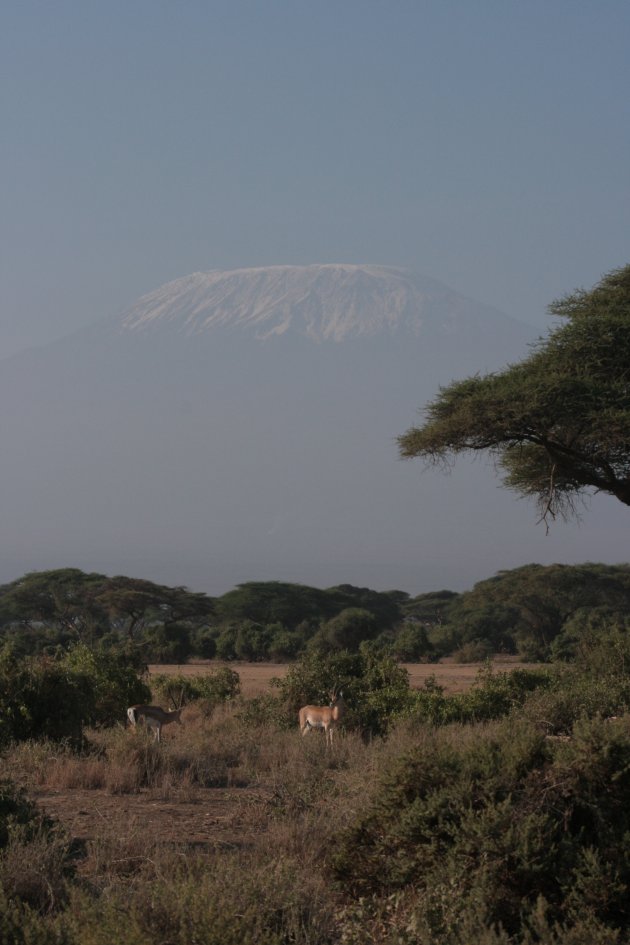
[{"x": 321, "y": 302}]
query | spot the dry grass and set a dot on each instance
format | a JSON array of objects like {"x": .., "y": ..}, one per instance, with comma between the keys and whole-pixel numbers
[
  {"x": 224, "y": 812},
  {"x": 256, "y": 677},
  {"x": 219, "y": 833}
]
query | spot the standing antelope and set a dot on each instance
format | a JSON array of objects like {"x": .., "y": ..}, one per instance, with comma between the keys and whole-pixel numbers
[
  {"x": 326, "y": 717},
  {"x": 154, "y": 716}
]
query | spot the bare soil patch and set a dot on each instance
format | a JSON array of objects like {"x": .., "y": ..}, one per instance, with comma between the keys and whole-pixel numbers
[{"x": 211, "y": 818}]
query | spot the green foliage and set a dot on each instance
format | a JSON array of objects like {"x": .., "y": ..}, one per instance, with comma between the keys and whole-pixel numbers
[
  {"x": 252, "y": 641},
  {"x": 535, "y": 611},
  {"x": 45, "y": 697},
  {"x": 16, "y": 810},
  {"x": 527, "y": 608},
  {"x": 22, "y": 925},
  {"x": 167, "y": 643},
  {"x": 114, "y": 679},
  {"x": 556, "y": 710},
  {"x": 477, "y": 831},
  {"x": 349, "y": 628},
  {"x": 475, "y": 651},
  {"x": 63, "y": 603},
  {"x": 412, "y": 644},
  {"x": 273, "y": 620},
  {"x": 40, "y": 698},
  {"x": 269, "y": 602},
  {"x": 501, "y": 817},
  {"x": 386, "y": 607},
  {"x": 586, "y": 626},
  {"x": 530, "y": 831},
  {"x": 375, "y": 687},
  {"x": 204, "y": 643},
  {"x": 284, "y": 644},
  {"x": 493, "y": 696},
  {"x": 559, "y": 421},
  {"x": 222, "y": 685},
  {"x": 47, "y": 609},
  {"x": 430, "y": 609}
]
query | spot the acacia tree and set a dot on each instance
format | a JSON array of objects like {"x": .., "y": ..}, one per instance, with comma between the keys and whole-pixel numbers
[
  {"x": 557, "y": 423},
  {"x": 66, "y": 599}
]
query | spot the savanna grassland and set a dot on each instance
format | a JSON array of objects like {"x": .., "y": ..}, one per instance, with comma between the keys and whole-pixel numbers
[
  {"x": 496, "y": 813},
  {"x": 110, "y": 797}
]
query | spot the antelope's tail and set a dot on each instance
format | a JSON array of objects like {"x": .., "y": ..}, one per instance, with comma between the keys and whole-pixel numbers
[{"x": 131, "y": 715}]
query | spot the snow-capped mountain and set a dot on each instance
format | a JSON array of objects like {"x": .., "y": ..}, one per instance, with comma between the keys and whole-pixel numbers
[{"x": 321, "y": 302}]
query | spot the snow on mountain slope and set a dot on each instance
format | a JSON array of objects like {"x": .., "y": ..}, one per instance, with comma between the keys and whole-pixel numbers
[{"x": 321, "y": 302}]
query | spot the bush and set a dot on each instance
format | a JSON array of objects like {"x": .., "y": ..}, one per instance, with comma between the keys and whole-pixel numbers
[
  {"x": 230, "y": 900},
  {"x": 222, "y": 685},
  {"x": 375, "y": 687},
  {"x": 597, "y": 684},
  {"x": 167, "y": 643},
  {"x": 39, "y": 698},
  {"x": 347, "y": 629},
  {"x": 492, "y": 696},
  {"x": 501, "y": 816},
  {"x": 21, "y": 925},
  {"x": 113, "y": 676},
  {"x": 35, "y": 859},
  {"x": 285, "y": 644},
  {"x": 412, "y": 643},
  {"x": 55, "y": 697},
  {"x": 474, "y": 652}
]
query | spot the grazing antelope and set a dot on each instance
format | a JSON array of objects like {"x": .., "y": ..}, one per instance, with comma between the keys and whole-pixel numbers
[
  {"x": 326, "y": 717},
  {"x": 155, "y": 717}
]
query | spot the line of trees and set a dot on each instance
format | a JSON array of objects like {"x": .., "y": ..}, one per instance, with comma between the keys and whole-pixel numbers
[{"x": 536, "y": 612}]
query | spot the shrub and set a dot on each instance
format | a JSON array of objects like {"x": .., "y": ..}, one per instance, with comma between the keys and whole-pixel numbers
[
  {"x": 222, "y": 685},
  {"x": 21, "y": 925},
  {"x": 230, "y": 900},
  {"x": 17, "y": 810},
  {"x": 113, "y": 676},
  {"x": 502, "y": 817},
  {"x": 35, "y": 858},
  {"x": 412, "y": 643},
  {"x": 492, "y": 696},
  {"x": 474, "y": 651},
  {"x": 40, "y": 698},
  {"x": 55, "y": 697},
  {"x": 375, "y": 687},
  {"x": 597, "y": 684},
  {"x": 347, "y": 629}
]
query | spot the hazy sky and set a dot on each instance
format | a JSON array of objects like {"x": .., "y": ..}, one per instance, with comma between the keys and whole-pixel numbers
[{"x": 485, "y": 144}]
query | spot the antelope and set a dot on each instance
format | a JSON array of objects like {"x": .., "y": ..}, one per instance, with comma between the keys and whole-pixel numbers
[
  {"x": 154, "y": 717},
  {"x": 326, "y": 717}
]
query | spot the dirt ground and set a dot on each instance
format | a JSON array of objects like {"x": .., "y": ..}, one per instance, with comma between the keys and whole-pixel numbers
[
  {"x": 207, "y": 818},
  {"x": 212, "y": 818}
]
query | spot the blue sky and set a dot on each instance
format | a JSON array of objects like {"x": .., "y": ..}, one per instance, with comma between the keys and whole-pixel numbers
[{"x": 485, "y": 144}]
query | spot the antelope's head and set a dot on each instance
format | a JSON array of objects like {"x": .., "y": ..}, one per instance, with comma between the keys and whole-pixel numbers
[{"x": 176, "y": 711}]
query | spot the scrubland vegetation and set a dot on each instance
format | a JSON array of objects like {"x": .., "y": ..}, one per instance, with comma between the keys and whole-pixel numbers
[{"x": 498, "y": 815}]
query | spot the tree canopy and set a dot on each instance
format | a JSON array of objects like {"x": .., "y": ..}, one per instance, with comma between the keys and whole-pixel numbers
[
  {"x": 538, "y": 611},
  {"x": 558, "y": 423}
]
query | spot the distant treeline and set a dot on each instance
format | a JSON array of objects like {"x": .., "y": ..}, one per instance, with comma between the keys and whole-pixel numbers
[{"x": 536, "y": 612}]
